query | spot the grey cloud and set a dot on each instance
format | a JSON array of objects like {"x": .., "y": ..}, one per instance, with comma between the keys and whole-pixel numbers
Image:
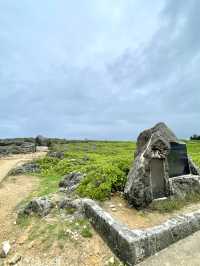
[
  {"x": 167, "y": 68},
  {"x": 98, "y": 69}
]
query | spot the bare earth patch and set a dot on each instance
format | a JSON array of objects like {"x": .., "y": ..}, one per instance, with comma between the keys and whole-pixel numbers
[
  {"x": 119, "y": 209},
  {"x": 41, "y": 250},
  {"x": 12, "y": 192}
]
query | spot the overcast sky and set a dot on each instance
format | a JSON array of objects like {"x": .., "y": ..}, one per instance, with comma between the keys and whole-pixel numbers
[{"x": 99, "y": 69}]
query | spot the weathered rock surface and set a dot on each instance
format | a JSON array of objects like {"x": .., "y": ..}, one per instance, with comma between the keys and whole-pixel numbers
[
  {"x": 159, "y": 156},
  {"x": 74, "y": 206},
  {"x": 70, "y": 203},
  {"x": 40, "y": 206},
  {"x": 31, "y": 167},
  {"x": 159, "y": 130},
  {"x": 16, "y": 147},
  {"x": 152, "y": 143},
  {"x": 56, "y": 154},
  {"x": 41, "y": 141},
  {"x": 182, "y": 185},
  {"x": 193, "y": 168},
  {"x": 71, "y": 181}
]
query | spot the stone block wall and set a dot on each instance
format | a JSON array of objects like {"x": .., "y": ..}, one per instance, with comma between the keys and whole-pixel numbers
[{"x": 133, "y": 246}]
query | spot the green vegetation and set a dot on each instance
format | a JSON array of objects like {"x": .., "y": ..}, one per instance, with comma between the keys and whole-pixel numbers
[
  {"x": 58, "y": 231},
  {"x": 194, "y": 150},
  {"x": 86, "y": 231},
  {"x": 104, "y": 163}
]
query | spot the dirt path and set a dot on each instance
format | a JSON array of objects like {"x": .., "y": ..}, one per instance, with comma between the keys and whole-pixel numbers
[
  {"x": 13, "y": 190},
  {"x": 7, "y": 163}
]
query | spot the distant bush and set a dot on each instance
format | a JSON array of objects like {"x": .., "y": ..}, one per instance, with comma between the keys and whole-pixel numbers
[{"x": 195, "y": 137}]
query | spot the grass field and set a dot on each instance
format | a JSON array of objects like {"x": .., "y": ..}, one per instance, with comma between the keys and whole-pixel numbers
[{"x": 105, "y": 164}]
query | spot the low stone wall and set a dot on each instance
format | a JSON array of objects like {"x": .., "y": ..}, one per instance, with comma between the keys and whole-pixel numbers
[{"x": 133, "y": 246}]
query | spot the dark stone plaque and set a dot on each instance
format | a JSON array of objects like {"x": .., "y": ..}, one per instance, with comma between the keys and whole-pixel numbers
[
  {"x": 157, "y": 178},
  {"x": 178, "y": 160}
]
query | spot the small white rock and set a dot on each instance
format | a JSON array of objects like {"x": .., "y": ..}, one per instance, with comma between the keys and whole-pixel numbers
[
  {"x": 111, "y": 261},
  {"x": 5, "y": 249}
]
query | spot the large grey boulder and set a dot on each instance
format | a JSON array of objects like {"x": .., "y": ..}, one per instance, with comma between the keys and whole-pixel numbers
[
  {"x": 40, "y": 206},
  {"x": 159, "y": 156},
  {"x": 41, "y": 141},
  {"x": 70, "y": 181},
  {"x": 56, "y": 154},
  {"x": 31, "y": 167}
]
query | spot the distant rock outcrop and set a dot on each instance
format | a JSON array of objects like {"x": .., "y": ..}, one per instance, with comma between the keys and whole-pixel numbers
[
  {"x": 56, "y": 154},
  {"x": 41, "y": 141},
  {"x": 16, "y": 146}
]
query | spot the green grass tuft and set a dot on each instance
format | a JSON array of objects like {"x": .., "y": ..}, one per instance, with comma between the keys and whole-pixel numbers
[{"x": 172, "y": 204}]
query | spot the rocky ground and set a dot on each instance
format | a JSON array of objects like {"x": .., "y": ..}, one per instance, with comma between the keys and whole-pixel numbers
[
  {"x": 53, "y": 241},
  {"x": 35, "y": 243}
]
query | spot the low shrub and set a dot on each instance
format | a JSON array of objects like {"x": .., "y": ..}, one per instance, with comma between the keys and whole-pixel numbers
[{"x": 105, "y": 165}]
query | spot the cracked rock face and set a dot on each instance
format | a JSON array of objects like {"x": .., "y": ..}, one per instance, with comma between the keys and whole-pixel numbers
[
  {"x": 31, "y": 167},
  {"x": 40, "y": 206},
  {"x": 159, "y": 156},
  {"x": 71, "y": 181},
  {"x": 16, "y": 147},
  {"x": 56, "y": 154}
]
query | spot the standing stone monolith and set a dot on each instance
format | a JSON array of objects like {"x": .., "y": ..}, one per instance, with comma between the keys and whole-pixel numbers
[{"x": 159, "y": 158}]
